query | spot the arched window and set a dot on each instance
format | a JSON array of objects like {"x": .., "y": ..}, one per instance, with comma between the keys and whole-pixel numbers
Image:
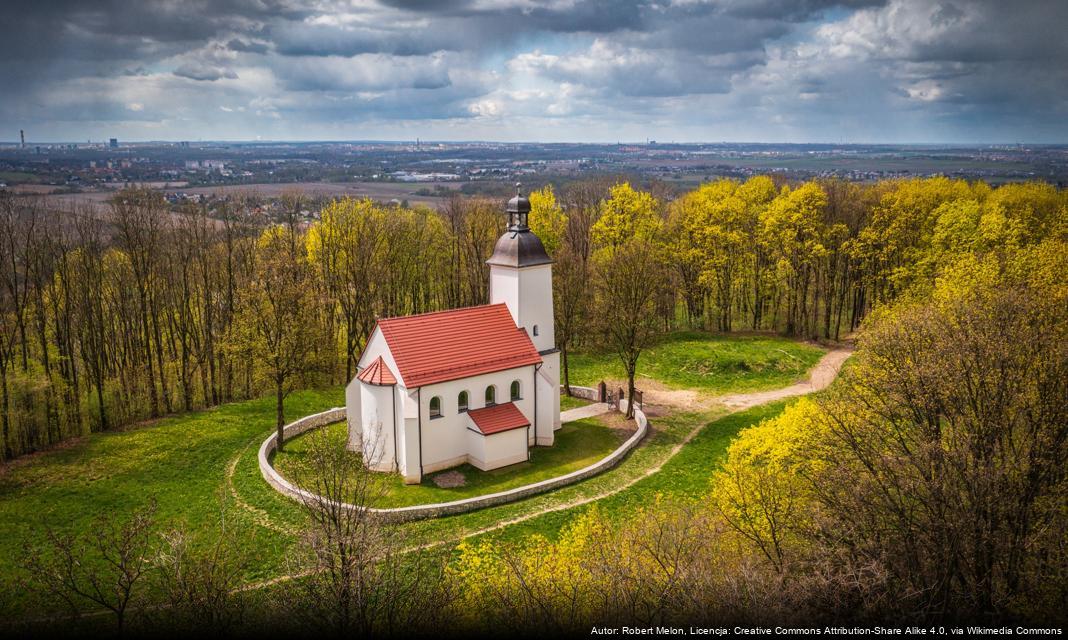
[
  {"x": 461, "y": 402},
  {"x": 535, "y": 329},
  {"x": 435, "y": 407},
  {"x": 491, "y": 395},
  {"x": 515, "y": 390}
]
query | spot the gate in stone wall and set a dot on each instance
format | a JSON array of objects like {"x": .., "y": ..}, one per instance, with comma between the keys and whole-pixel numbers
[{"x": 614, "y": 398}]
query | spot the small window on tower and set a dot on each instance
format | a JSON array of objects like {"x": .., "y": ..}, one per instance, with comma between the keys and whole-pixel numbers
[
  {"x": 515, "y": 390},
  {"x": 435, "y": 407},
  {"x": 535, "y": 329},
  {"x": 491, "y": 395},
  {"x": 461, "y": 402}
]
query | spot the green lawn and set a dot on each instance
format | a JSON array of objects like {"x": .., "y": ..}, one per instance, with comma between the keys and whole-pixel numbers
[
  {"x": 685, "y": 477},
  {"x": 706, "y": 362},
  {"x": 578, "y": 444},
  {"x": 571, "y": 402},
  {"x": 184, "y": 462},
  {"x": 180, "y": 461}
]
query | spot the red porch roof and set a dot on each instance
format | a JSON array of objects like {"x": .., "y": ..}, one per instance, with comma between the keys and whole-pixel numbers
[
  {"x": 498, "y": 418},
  {"x": 448, "y": 345},
  {"x": 378, "y": 373}
]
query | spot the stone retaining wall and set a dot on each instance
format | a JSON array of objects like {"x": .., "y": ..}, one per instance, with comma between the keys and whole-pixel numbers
[
  {"x": 422, "y": 511},
  {"x": 585, "y": 393}
]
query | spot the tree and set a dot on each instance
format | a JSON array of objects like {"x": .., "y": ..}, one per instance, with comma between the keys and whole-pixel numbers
[
  {"x": 347, "y": 247},
  {"x": 279, "y": 325},
  {"x": 952, "y": 432},
  {"x": 359, "y": 582},
  {"x": 791, "y": 230},
  {"x": 547, "y": 219},
  {"x": 628, "y": 279},
  {"x": 626, "y": 214},
  {"x": 200, "y": 588},
  {"x": 104, "y": 567}
]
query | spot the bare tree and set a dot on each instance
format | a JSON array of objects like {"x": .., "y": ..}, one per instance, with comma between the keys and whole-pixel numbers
[
  {"x": 104, "y": 567},
  {"x": 360, "y": 581},
  {"x": 200, "y": 589}
]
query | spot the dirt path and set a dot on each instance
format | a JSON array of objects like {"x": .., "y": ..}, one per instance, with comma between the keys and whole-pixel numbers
[
  {"x": 821, "y": 376},
  {"x": 259, "y": 516}
]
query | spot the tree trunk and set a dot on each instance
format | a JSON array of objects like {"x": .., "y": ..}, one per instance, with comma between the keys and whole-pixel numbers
[
  {"x": 567, "y": 375},
  {"x": 279, "y": 411},
  {"x": 631, "y": 369},
  {"x": 5, "y": 409}
]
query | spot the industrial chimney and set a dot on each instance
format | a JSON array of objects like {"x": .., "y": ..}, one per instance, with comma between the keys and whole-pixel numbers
[{"x": 22, "y": 136}]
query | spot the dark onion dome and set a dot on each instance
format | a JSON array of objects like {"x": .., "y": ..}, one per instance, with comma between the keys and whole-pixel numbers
[{"x": 519, "y": 247}]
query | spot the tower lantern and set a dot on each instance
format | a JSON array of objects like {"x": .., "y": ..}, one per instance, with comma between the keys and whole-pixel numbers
[{"x": 518, "y": 209}]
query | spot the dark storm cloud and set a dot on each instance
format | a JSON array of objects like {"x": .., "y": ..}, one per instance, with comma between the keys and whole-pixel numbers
[
  {"x": 790, "y": 10},
  {"x": 197, "y": 71},
  {"x": 804, "y": 63}
]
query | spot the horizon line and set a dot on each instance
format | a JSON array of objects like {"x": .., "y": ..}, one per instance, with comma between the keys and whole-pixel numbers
[{"x": 421, "y": 141}]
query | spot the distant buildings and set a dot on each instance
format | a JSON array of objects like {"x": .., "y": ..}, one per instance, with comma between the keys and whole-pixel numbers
[
  {"x": 412, "y": 176},
  {"x": 113, "y": 143}
]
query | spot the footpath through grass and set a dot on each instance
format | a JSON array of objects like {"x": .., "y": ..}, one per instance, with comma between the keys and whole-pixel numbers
[
  {"x": 578, "y": 444},
  {"x": 711, "y": 363}
]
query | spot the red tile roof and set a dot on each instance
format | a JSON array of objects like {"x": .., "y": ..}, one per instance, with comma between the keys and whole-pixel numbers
[
  {"x": 498, "y": 418},
  {"x": 448, "y": 345},
  {"x": 378, "y": 373}
]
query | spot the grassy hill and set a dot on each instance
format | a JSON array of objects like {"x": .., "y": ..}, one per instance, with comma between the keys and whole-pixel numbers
[
  {"x": 706, "y": 362},
  {"x": 201, "y": 467}
]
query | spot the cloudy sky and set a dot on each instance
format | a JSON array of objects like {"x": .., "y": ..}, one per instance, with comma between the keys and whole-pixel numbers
[{"x": 548, "y": 70}]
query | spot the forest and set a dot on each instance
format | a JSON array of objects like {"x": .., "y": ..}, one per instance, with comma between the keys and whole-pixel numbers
[{"x": 110, "y": 320}]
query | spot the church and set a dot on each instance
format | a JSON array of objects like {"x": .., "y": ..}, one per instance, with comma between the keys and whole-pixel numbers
[{"x": 477, "y": 385}]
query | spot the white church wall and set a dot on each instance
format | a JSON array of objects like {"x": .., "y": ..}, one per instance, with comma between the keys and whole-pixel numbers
[
  {"x": 504, "y": 287},
  {"x": 409, "y": 458},
  {"x": 354, "y": 415},
  {"x": 549, "y": 372},
  {"x": 354, "y": 397},
  {"x": 497, "y": 450},
  {"x": 528, "y": 292},
  {"x": 445, "y": 441},
  {"x": 377, "y": 426}
]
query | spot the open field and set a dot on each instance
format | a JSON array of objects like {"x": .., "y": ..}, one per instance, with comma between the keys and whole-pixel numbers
[
  {"x": 704, "y": 362},
  {"x": 382, "y": 191},
  {"x": 578, "y": 444}
]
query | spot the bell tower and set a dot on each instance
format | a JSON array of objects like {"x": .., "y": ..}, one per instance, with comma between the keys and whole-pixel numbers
[{"x": 521, "y": 277}]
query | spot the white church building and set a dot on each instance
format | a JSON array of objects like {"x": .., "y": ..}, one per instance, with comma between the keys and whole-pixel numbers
[{"x": 476, "y": 385}]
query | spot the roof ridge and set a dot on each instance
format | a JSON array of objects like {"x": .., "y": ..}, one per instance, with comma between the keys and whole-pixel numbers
[
  {"x": 443, "y": 311},
  {"x": 467, "y": 366}
]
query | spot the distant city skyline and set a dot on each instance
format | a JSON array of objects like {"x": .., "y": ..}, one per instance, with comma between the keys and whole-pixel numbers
[{"x": 595, "y": 71}]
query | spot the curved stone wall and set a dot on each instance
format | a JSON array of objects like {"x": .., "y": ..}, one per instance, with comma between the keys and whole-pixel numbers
[{"x": 422, "y": 511}]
